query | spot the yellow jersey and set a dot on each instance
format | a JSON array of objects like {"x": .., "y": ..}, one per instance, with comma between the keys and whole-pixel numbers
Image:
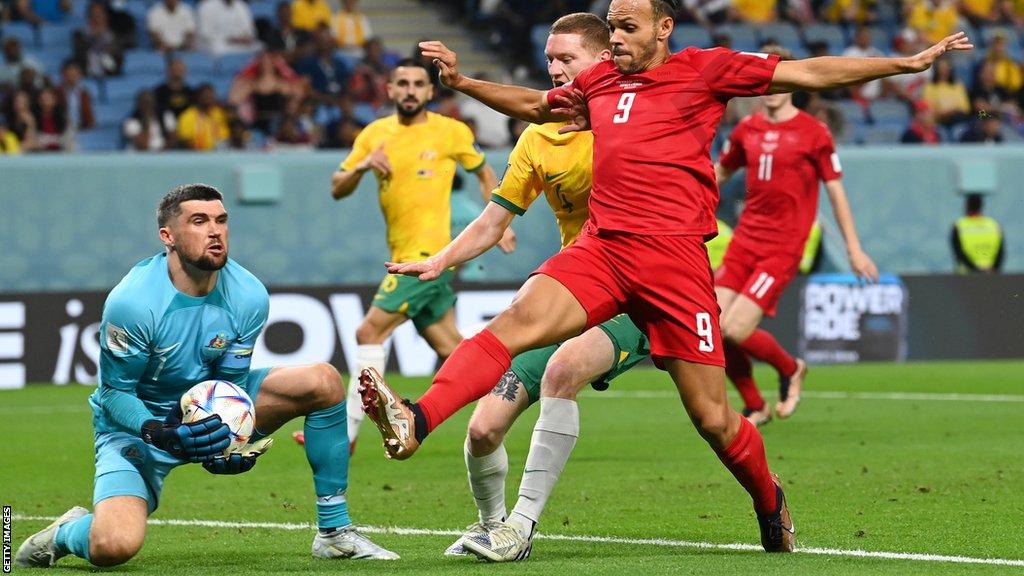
[
  {"x": 416, "y": 197},
  {"x": 756, "y": 10},
  {"x": 309, "y": 16},
  {"x": 560, "y": 165}
]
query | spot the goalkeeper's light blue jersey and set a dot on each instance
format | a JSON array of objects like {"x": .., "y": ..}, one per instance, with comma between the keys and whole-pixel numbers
[{"x": 156, "y": 342}]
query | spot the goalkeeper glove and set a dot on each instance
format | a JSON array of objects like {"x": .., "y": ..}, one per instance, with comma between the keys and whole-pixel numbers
[
  {"x": 196, "y": 441},
  {"x": 239, "y": 460}
]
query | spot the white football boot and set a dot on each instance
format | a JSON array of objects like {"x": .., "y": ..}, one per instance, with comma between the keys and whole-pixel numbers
[
  {"x": 348, "y": 543},
  {"x": 476, "y": 529},
  {"x": 502, "y": 543},
  {"x": 39, "y": 550}
]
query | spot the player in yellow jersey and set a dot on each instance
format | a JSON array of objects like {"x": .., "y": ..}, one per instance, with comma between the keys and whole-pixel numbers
[
  {"x": 413, "y": 154},
  {"x": 560, "y": 167}
]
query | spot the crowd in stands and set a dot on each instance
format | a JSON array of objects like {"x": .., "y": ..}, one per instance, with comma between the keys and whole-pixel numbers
[
  {"x": 152, "y": 75},
  {"x": 975, "y": 97}
]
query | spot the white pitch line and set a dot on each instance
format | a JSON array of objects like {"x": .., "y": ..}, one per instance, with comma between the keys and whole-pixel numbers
[
  {"x": 658, "y": 395},
  {"x": 590, "y": 539},
  {"x": 829, "y": 395}
]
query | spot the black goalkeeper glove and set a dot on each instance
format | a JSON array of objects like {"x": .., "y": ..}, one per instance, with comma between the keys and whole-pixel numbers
[
  {"x": 240, "y": 460},
  {"x": 196, "y": 441}
]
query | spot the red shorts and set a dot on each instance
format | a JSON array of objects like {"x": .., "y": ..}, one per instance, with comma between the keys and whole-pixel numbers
[
  {"x": 663, "y": 283},
  {"x": 762, "y": 279}
]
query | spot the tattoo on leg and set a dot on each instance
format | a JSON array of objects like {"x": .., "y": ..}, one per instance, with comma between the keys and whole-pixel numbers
[{"x": 507, "y": 387}]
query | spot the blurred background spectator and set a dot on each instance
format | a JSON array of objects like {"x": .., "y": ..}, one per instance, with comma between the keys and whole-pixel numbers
[
  {"x": 923, "y": 129},
  {"x": 263, "y": 90},
  {"x": 351, "y": 28},
  {"x": 308, "y": 15},
  {"x": 14, "y": 62},
  {"x": 171, "y": 26},
  {"x": 146, "y": 130},
  {"x": 95, "y": 47},
  {"x": 204, "y": 125},
  {"x": 174, "y": 96},
  {"x": 226, "y": 26},
  {"x": 76, "y": 97}
]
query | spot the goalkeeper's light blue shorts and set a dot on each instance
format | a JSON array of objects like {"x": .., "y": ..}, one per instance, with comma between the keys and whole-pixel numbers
[{"x": 127, "y": 466}]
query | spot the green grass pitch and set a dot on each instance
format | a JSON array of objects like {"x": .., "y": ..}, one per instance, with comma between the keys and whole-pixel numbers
[{"x": 915, "y": 458}]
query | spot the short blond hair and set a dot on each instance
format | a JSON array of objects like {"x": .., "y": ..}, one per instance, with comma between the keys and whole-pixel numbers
[{"x": 594, "y": 34}]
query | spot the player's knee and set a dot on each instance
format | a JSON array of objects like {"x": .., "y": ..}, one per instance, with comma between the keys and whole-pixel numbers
[
  {"x": 445, "y": 349},
  {"x": 562, "y": 379},
  {"x": 484, "y": 437},
  {"x": 713, "y": 425},
  {"x": 367, "y": 333},
  {"x": 112, "y": 549},
  {"x": 733, "y": 332},
  {"x": 328, "y": 387}
]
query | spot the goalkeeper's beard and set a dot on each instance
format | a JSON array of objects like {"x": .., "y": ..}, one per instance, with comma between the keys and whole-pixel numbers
[{"x": 205, "y": 262}]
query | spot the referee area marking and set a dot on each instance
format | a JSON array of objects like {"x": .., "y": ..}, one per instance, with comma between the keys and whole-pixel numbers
[
  {"x": 589, "y": 539},
  {"x": 659, "y": 395}
]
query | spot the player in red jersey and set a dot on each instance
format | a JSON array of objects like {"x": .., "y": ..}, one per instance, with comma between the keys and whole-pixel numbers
[
  {"x": 652, "y": 205},
  {"x": 786, "y": 152}
]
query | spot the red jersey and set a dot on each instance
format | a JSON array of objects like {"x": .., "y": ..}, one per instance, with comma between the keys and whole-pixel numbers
[
  {"x": 652, "y": 137},
  {"x": 785, "y": 162}
]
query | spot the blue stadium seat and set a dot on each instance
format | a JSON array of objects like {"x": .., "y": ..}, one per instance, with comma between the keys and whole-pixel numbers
[
  {"x": 99, "y": 139},
  {"x": 852, "y": 111},
  {"x": 50, "y": 58},
  {"x": 145, "y": 62},
  {"x": 58, "y": 35},
  {"x": 685, "y": 35},
  {"x": 881, "y": 39},
  {"x": 263, "y": 10},
  {"x": 124, "y": 88},
  {"x": 197, "y": 62},
  {"x": 875, "y": 135},
  {"x": 831, "y": 34},
  {"x": 232, "y": 63},
  {"x": 111, "y": 114},
  {"x": 784, "y": 33},
  {"x": 890, "y": 111},
  {"x": 22, "y": 31},
  {"x": 743, "y": 36}
]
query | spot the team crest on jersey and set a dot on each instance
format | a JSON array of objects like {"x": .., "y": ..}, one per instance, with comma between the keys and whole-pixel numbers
[
  {"x": 218, "y": 342},
  {"x": 424, "y": 173}
]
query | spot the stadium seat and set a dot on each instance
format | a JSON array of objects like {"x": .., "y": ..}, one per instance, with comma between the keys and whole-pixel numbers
[
  {"x": 875, "y": 135},
  {"x": 111, "y": 114},
  {"x": 784, "y": 33},
  {"x": 22, "y": 31},
  {"x": 828, "y": 33},
  {"x": 58, "y": 35},
  {"x": 197, "y": 62},
  {"x": 890, "y": 112},
  {"x": 99, "y": 139},
  {"x": 881, "y": 39},
  {"x": 145, "y": 62},
  {"x": 743, "y": 36},
  {"x": 685, "y": 35},
  {"x": 124, "y": 88},
  {"x": 852, "y": 111},
  {"x": 264, "y": 10},
  {"x": 232, "y": 63},
  {"x": 50, "y": 58}
]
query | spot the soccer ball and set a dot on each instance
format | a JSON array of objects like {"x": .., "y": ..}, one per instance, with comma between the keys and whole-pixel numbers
[{"x": 226, "y": 400}]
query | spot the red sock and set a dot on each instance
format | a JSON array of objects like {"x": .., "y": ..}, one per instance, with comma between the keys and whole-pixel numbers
[
  {"x": 763, "y": 346},
  {"x": 746, "y": 460},
  {"x": 471, "y": 371},
  {"x": 741, "y": 373}
]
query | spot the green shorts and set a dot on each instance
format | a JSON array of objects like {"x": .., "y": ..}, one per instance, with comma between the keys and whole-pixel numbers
[
  {"x": 423, "y": 302},
  {"x": 631, "y": 347}
]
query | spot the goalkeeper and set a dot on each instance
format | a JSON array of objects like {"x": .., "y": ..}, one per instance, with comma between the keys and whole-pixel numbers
[{"x": 187, "y": 315}]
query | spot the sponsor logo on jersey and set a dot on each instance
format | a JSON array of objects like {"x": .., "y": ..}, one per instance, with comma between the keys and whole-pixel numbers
[
  {"x": 630, "y": 84},
  {"x": 428, "y": 155}
]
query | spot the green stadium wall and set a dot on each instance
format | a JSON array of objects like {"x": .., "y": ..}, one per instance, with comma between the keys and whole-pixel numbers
[{"x": 78, "y": 222}]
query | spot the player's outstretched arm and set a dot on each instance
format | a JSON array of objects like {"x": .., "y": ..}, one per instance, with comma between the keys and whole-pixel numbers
[
  {"x": 860, "y": 262},
  {"x": 829, "y": 72},
  {"x": 489, "y": 181},
  {"x": 481, "y": 235},
  {"x": 525, "y": 104}
]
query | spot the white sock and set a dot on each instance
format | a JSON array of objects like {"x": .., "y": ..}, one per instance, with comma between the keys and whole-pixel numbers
[
  {"x": 367, "y": 356},
  {"x": 554, "y": 437},
  {"x": 487, "y": 482}
]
